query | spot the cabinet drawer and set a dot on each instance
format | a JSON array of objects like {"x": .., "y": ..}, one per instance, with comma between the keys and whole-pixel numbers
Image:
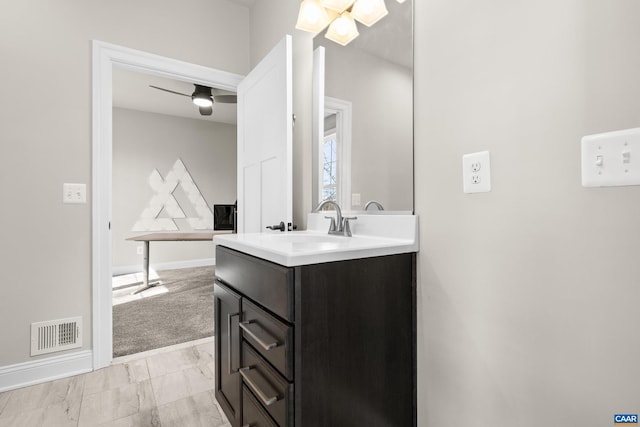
[
  {"x": 272, "y": 338},
  {"x": 274, "y": 393},
  {"x": 253, "y": 414},
  {"x": 269, "y": 284}
]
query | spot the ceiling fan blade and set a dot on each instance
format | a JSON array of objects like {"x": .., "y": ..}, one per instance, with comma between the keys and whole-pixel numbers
[
  {"x": 226, "y": 99},
  {"x": 170, "y": 91},
  {"x": 206, "y": 111}
]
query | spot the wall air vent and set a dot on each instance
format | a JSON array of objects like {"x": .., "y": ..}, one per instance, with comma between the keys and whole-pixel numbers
[{"x": 56, "y": 335}]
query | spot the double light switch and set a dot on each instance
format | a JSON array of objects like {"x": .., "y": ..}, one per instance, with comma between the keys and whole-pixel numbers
[{"x": 611, "y": 159}]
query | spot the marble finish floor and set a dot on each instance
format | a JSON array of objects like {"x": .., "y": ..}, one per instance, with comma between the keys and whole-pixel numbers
[{"x": 166, "y": 387}]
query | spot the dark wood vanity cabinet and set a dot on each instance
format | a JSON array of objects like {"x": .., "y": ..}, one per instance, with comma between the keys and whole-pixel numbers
[{"x": 329, "y": 344}]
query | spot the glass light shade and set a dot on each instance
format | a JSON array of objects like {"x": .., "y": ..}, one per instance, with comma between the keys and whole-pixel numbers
[
  {"x": 312, "y": 17},
  {"x": 342, "y": 30},
  {"x": 337, "y": 5},
  {"x": 400, "y": 1},
  {"x": 202, "y": 100},
  {"x": 369, "y": 11}
]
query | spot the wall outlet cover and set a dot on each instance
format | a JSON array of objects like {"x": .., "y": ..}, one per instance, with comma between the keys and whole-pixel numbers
[{"x": 476, "y": 172}]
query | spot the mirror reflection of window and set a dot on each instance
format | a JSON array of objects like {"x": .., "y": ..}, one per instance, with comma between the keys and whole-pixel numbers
[{"x": 330, "y": 166}]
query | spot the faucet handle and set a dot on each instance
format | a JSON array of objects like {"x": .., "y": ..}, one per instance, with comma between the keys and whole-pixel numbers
[
  {"x": 347, "y": 229},
  {"x": 332, "y": 227}
]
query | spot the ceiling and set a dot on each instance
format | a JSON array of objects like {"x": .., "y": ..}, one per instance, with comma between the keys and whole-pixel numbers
[{"x": 131, "y": 90}]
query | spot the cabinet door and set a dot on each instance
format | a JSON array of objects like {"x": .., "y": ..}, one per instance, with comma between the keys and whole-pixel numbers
[{"x": 227, "y": 351}]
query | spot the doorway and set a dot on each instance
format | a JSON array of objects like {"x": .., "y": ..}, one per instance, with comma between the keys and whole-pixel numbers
[
  {"x": 105, "y": 57},
  {"x": 171, "y": 164}
]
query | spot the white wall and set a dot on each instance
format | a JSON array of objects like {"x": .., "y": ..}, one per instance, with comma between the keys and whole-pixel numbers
[
  {"x": 381, "y": 94},
  {"x": 144, "y": 142},
  {"x": 45, "y": 246},
  {"x": 527, "y": 311}
]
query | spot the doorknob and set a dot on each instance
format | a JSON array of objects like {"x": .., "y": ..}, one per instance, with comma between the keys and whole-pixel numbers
[{"x": 276, "y": 227}]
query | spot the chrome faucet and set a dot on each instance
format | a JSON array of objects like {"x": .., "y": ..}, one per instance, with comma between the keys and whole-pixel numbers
[
  {"x": 374, "y": 203},
  {"x": 339, "y": 225}
]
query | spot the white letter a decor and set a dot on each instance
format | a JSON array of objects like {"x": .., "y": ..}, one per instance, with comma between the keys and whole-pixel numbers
[{"x": 164, "y": 199}]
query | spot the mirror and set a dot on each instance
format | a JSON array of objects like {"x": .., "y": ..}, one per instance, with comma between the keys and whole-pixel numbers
[{"x": 363, "y": 115}]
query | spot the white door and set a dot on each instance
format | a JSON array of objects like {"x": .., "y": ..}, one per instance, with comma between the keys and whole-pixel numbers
[{"x": 265, "y": 134}]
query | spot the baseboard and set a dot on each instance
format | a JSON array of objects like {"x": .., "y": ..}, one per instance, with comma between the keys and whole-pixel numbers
[
  {"x": 43, "y": 370},
  {"x": 129, "y": 269}
]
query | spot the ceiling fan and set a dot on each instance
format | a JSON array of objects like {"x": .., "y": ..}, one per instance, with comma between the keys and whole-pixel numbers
[{"x": 203, "y": 97}]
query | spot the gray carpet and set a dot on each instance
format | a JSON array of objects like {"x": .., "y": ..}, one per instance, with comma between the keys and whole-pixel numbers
[{"x": 184, "y": 313}]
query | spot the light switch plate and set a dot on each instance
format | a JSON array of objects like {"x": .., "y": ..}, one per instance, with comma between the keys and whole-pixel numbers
[
  {"x": 74, "y": 193},
  {"x": 476, "y": 172},
  {"x": 611, "y": 159}
]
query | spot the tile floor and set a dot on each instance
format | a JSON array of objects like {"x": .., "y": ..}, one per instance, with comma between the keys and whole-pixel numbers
[{"x": 166, "y": 387}]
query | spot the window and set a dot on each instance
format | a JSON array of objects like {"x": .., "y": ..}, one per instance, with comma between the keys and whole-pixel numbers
[
  {"x": 332, "y": 154},
  {"x": 330, "y": 167}
]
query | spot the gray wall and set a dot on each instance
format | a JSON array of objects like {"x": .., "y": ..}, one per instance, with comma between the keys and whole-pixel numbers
[
  {"x": 45, "y": 246},
  {"x": 528, "y": 295},
  {"x": 143, "y": 142}
]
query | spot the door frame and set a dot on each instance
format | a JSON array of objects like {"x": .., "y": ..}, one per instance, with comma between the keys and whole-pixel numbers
[
  {"x": 105, "y": 56},
  {"x": 344, "y": 126}
]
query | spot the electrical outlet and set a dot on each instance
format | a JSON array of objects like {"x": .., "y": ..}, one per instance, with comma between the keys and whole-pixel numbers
[
  {"x": 139, "y": 250},
  {"x": 355, "y": 199},
  {"x": 74, "y": 193},
  {"x": 476, "y": 172}
]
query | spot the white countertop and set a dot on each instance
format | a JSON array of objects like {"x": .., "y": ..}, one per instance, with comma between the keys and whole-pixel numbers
[{"x": 373, "y": 235}]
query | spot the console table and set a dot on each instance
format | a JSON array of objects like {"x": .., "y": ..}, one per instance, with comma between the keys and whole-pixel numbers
[{"x": 167, "y": 237}]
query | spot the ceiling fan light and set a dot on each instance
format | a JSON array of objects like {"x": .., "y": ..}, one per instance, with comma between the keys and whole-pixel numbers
[
  {"x": 202, "y": 99},
  {"x": 312, "y": 17},
  {"x": 369, "y": 12},
  {"x": 343, "y": 30},
  {"x": 337, "y": 5}
]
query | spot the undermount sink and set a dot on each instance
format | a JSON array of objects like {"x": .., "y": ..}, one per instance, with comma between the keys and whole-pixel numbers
[{"x": 373, "y": 235}]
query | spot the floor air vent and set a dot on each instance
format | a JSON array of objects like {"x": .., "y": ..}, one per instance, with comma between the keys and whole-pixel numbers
[{"x": 56, "y": 335}]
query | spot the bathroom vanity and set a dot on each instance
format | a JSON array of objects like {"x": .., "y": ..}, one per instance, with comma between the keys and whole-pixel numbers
[{"x": 315, "y": 330}]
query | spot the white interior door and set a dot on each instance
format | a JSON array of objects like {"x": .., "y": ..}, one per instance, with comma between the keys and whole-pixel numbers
[{"x": 265, "y": 134}]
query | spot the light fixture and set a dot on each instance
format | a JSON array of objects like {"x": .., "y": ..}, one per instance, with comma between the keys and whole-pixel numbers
[
  {"x": 312, "y": 17},
  {"x": 343, "y": 29},
  {"x": 202, "y": 96},
  {"x": 369, "y": 12},
  {"x": 337, "y": 5},
  {"x": 339, "y": 15}
]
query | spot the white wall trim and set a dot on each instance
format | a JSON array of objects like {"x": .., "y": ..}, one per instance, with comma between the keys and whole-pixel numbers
[
  {"x": 43, "y": 370},
  {"x": 105, "y": 56},
  {"x": 137, "y": 268},
  {"x": 344, "y": 117}
]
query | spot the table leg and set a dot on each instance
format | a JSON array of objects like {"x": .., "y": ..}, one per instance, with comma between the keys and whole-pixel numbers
[
  {"x": 145, "y": 265},
  {"x": 145, "y": 270}
]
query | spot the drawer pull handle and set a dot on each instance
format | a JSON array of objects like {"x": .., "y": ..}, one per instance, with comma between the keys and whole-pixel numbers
[
  {"x": 257, "y": 383},
  {"x": 260, "y": 336},
  {"x": 229, "y": 343}
]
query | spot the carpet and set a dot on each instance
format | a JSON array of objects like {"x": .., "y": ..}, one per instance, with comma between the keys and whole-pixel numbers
[{"x": 178, "y": 310}]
